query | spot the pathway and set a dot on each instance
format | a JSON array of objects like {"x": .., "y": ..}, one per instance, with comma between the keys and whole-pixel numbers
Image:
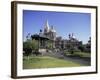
[{"x": 73, "y": 59}]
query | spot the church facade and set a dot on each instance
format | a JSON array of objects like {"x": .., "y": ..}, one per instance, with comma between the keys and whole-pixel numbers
[{"x": 57, "y": 41}]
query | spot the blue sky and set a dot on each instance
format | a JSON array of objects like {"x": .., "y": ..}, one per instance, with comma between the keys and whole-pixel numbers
[{"x": 63, "y": 22}]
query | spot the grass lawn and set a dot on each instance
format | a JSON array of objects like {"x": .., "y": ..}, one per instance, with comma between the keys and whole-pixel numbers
[
  {"x": 80, "y": 54},
  {"x": 83, "y": 54},
  {"x": 46, "y": 62}
]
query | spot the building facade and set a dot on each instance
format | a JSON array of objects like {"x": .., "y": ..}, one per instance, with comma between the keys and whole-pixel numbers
[{"x": 58, "y": 41}]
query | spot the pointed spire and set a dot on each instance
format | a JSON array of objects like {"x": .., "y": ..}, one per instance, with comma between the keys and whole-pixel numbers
[
  {"x": 69, "y": 35},
  {"x": 47, "y": 24},
  {"x": 46, "y": 27},
  {"x": 72, "y": 35}
]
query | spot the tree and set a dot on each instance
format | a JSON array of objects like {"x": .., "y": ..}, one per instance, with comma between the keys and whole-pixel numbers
[
  {"x": 81, "y": 47},
  {"x": 49, "y": 45},
  {"x": 29, "y": 45},
  {"x": 71, "y": 49},
  {"x": 27, "y": 48}
]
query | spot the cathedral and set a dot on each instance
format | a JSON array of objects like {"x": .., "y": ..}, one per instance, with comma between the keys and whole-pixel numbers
[
  {"x": 57, "y": 41},
  {"x": 49, "y": 31}
]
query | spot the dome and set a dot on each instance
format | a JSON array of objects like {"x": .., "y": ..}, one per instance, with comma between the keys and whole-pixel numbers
[
  {"x": 74, "y": 37},
  {"x": 52, "y": 29}
]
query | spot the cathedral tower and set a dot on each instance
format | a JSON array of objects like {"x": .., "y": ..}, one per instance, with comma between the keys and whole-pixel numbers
[
  {"x": 50, "y": 33},
  {"x": 46, "y": 27}
]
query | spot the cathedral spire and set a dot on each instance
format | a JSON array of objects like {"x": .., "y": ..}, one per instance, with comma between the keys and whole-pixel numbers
[{"x": 46, "y": 27}]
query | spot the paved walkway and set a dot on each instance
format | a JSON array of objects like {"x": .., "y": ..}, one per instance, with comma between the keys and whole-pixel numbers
[
  {"x": 79, "y": 60},
  {"x": 73, "y": 59}
]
